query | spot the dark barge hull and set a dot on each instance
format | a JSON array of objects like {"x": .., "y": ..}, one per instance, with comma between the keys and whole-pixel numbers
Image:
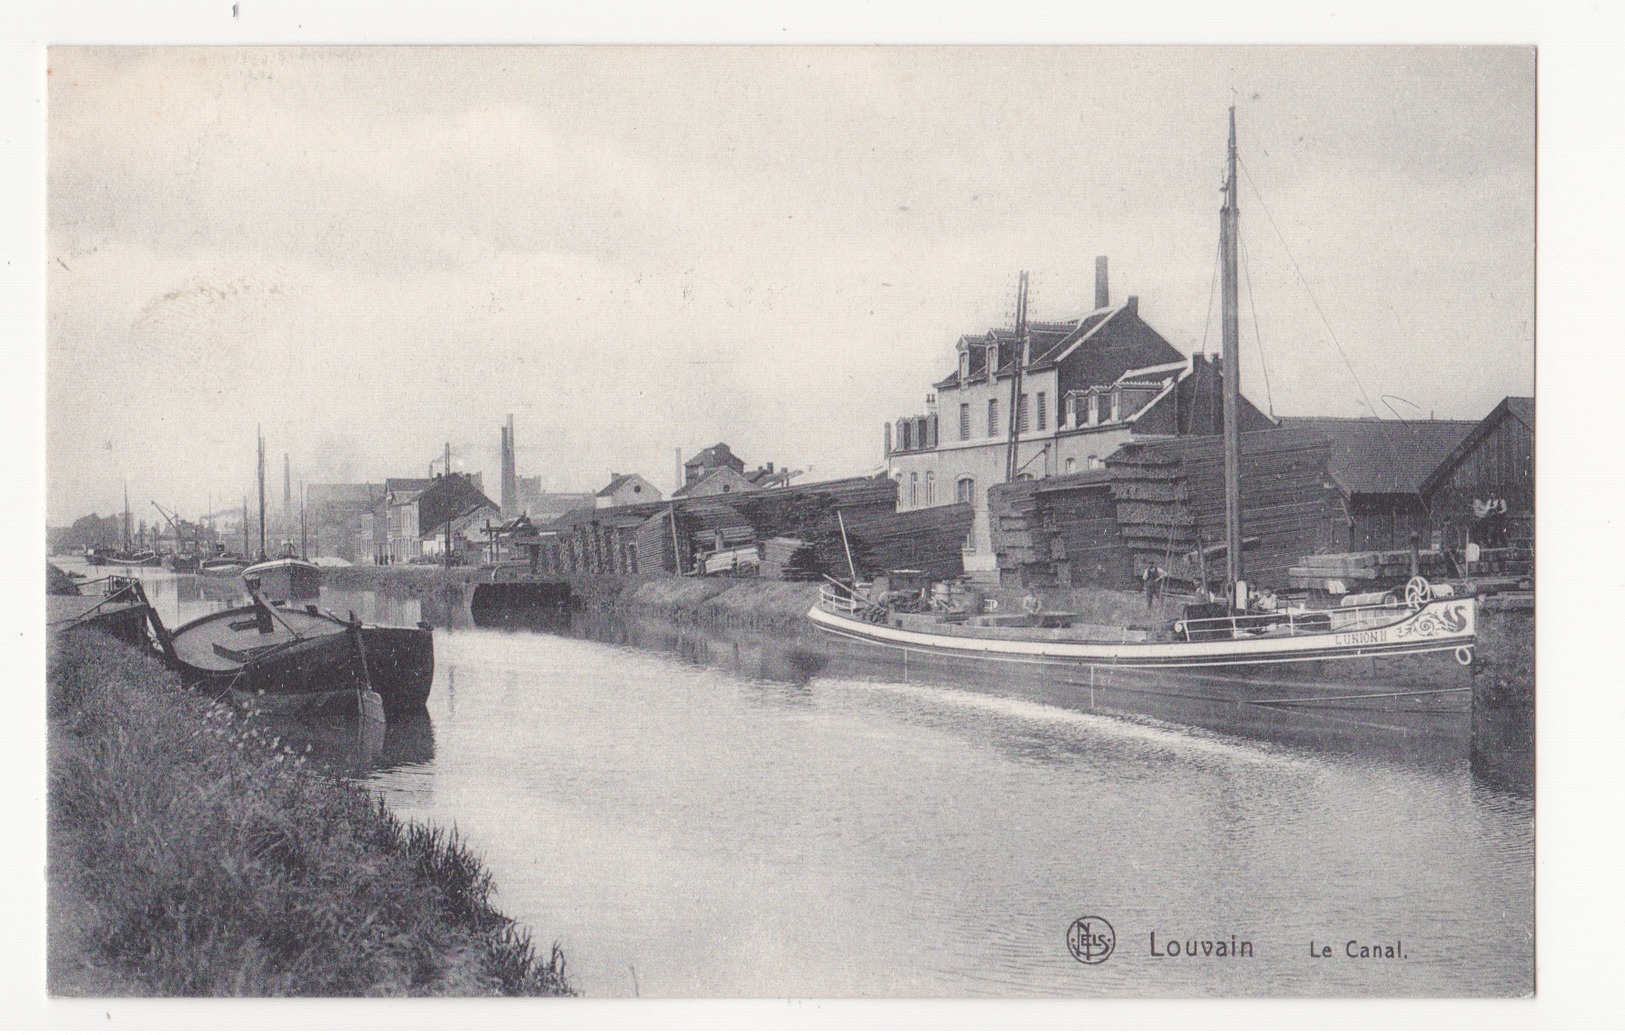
[{"x": 321, "y": 673}]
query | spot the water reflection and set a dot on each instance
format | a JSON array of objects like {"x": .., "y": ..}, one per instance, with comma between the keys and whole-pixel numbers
[
  {"x": 1436, "y": 734},
  {"x": 347, "y": 745}
]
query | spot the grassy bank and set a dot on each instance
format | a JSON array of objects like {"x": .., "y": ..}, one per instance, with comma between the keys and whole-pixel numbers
[
  {"x": 761, "y": 604},
  {"x": 192, "y": 855}
]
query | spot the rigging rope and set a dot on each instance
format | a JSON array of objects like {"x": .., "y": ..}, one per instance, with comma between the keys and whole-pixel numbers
[
  {"x": 1382, "y": 442},
  {"x": 1309, "y": 290},
  {"x": 1258, "y": 337}
]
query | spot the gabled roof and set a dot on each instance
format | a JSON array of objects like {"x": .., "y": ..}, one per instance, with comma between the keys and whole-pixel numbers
[
  {"x": 718, "y": 455},
  {"x": 1383, "y": 456},
  {"x": 615, "y": 484},
  {"x": 714, "y": 475},
  {"x": 1520, "y": 408}
]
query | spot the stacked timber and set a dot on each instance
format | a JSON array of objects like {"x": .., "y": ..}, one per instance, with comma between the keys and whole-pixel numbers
[
  {"x": 1058, "y": 532},
  {"x": 1505, "y": 560},
  {"x": 1366, "y": 571},
  {"x": 788, "y": 559},
  {"x": 930, "y": 539},
  {"x": 1172, "y": 491}
]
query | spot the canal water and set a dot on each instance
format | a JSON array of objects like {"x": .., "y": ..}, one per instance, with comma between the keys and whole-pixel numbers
[{"x": 706, "y": 814}]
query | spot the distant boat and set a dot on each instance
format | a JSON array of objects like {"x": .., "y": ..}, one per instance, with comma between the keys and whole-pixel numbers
[
  {"x": 99, "y": 557},
  {"x": 301, "y": 660},
  {"x": 224, "y": 566},
  {"x": 287, "y": 578}
]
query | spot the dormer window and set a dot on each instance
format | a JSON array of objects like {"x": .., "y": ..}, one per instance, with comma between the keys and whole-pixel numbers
[
  {"x": 964, "y": 365},
  {"x": 1093, "y": 416},
  {"x": 1117, "y": 404},
  {"x": 992, "y": 361},
  {"x": 1071, "y": 411}
]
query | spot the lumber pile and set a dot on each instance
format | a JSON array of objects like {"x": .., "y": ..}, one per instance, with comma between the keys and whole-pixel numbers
[
  {"x": 1058, "y": 532},
  {"x": 1505, "y": 560},
  {"x": 1365, "y": 570},
  {"x": 787, "y": 558},
  {"x": 929, "y": 539}
]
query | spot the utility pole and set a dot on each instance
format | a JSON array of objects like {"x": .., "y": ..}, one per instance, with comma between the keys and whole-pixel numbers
[
  {"x": 1229, "y": 232},
  {"x": 447, "y": 478},
  {"x": 259, "y": 434},
  {"x": 1018, "y": 362}
]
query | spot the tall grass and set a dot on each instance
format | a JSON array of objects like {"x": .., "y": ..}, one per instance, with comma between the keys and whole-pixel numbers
[{"x": 218, "y": 862}]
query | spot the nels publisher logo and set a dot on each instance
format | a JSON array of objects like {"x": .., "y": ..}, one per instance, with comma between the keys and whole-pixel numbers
[{"x": 1091, "y": 939}]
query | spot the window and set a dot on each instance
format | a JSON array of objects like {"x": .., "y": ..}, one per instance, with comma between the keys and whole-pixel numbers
[
  {"x": 930, "y": 489},
  {"x": 964, "y": 421},
  {"x": 992, "y": 418},
  {"x": 1071, "y": 465},
  {"x": 1071, "y": 411},
  {"x": 1094, "y": 463},
  {"x": 1024, "y": 476},
  {"x": 1117, "y": 405},
  {"x": 964, "y": 366},
  {"x": 992, "y": 361},
  {"x": 965, "y": 491},
  {"x": 1043, "y": 420},
  {"x": 914, "y": 488},
  {"x": 1094, "y": 409},
  {"x": 1021, "y": 413}
]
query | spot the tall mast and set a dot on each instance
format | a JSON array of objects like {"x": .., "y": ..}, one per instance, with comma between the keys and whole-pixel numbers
[
  {"x": 1020, "y": 361},
  {"x": 126, "y": 543},
  {"x": 1231, "y": 373},
  {"x": 260, "y": 435},
  {"x": 447, "y": 487}
]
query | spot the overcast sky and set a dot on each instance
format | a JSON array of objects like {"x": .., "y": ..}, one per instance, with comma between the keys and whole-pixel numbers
[{"x": 374, "y": 251}]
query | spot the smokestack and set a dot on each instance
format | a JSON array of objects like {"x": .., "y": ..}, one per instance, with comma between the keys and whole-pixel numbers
[
  {"x": 287, "y": 495},
  {"x": 1102, "y": 295},
  {"x": 510, "y": 472}
]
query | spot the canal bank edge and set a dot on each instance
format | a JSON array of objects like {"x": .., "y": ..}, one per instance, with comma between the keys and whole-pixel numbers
[
  {"x": 191, "y": 855},
  {"x": 1504, "y": 655}
]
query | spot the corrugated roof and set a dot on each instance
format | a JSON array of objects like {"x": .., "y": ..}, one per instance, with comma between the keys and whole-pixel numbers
[{"x": 1383, "y": 456}]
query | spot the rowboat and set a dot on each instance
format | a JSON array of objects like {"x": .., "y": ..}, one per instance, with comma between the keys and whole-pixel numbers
[{"x": 1415, "y": 636}]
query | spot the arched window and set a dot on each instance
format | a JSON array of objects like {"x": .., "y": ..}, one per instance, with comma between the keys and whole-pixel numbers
[
  {"x": 1071, "y": 465},
  {"x": 1094, "y": 463},
  {"x": 913, "y": 488},
  {"x": 930, "y": 488},
  {"x": 965, "y": 491},
  {"x": 964, "y": 366},
  {"x": 992, "y": 361}
]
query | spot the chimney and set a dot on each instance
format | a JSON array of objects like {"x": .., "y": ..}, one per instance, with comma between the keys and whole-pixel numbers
[
  {"x": 1133, "y": 305},
  {"x": 1102, "y": 296},
  {"x": 510, "y": 472}
]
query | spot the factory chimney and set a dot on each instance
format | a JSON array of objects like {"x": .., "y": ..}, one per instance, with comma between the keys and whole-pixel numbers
[
  {"x": 510, "y": 474},
  {"x": 1102, "y": 296}
]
